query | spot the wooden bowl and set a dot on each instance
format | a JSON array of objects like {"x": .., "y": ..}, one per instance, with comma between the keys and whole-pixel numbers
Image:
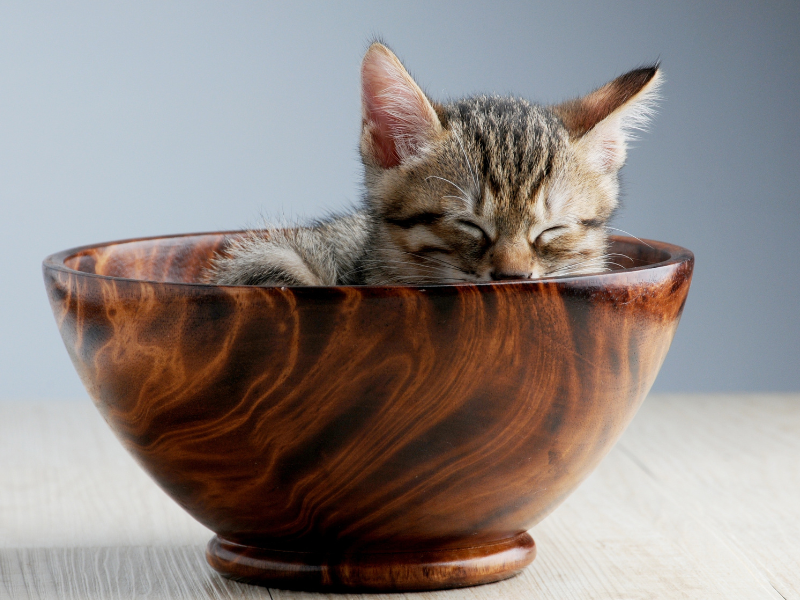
[{"x": 364, "y": 438}]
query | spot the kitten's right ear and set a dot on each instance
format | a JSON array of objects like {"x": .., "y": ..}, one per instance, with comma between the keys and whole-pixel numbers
[
  {"x": 603, "y": 120},
  {"x": 398, "y": 119}
]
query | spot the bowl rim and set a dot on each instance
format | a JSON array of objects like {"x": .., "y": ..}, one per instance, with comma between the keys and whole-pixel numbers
[{"x": 676, "y": 255}]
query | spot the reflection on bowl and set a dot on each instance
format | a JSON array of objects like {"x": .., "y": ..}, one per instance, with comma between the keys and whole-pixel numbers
[{"x": 364, "y": 438}]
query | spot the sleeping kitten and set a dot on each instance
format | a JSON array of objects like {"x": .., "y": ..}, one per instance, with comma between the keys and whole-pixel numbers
[{"x": 481, "y": 189}]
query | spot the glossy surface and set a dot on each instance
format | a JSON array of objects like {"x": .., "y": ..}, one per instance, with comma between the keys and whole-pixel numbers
[
  {"x": 349, "y": 422},
  {"x": 341, "y": 570}
]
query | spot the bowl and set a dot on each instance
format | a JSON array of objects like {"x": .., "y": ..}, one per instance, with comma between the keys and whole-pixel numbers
[{"x": 364, "y": 438}]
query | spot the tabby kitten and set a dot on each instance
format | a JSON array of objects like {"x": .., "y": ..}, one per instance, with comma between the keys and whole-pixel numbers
[{"x": 480, "y": 189}]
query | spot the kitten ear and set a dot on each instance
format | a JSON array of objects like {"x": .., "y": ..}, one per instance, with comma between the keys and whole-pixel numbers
[
  {"x": 604, "y": 120},
  {"x": 398, "y": 119}
]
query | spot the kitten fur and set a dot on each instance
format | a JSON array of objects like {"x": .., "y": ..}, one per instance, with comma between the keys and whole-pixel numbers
[{"x": 480, "y": 189}]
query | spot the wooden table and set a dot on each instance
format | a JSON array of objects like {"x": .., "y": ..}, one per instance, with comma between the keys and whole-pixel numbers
[{"x": 700, "y": 499}]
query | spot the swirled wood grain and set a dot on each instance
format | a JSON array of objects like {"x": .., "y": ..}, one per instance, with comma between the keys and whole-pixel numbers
[{"x": 353, "y": 421}]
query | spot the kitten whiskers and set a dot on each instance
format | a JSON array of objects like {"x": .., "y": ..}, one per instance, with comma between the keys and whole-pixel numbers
[
  {"x": 465, "y": 198},
  {"x": 629, "y": 234}
]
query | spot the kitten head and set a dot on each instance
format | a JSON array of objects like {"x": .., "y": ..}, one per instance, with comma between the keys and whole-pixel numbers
[{"x": 490, "y": 188}]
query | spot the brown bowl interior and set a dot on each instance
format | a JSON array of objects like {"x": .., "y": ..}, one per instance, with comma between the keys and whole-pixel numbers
[{"x": 182, "y": 259}]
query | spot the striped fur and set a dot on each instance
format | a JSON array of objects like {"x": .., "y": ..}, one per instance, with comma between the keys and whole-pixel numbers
[{"x": 480, "y": 189}]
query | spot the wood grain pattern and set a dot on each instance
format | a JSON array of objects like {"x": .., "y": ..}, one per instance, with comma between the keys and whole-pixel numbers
[
  {"x": 410, "y": 571},
  {"x": 698, "y": 500},
  {"x": 118, "y": 573},
  {"x": 359, "y": 421},
  {"x": 738, "y": 475}
]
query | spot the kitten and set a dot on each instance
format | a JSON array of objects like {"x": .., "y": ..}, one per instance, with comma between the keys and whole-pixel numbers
[{"x": 481, "y": 189}]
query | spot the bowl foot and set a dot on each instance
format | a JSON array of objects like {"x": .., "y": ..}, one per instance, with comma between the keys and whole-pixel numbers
[{"x": 391, "y": 571}]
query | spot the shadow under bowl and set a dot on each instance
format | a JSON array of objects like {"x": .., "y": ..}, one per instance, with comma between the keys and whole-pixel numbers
[{"x": 364, "y": 438}]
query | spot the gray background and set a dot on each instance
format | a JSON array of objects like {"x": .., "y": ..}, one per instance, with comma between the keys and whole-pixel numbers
[{"x": 153, "y": 118}]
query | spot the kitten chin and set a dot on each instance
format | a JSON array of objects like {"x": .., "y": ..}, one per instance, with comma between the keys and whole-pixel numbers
[{"x": 484, "y": 188}]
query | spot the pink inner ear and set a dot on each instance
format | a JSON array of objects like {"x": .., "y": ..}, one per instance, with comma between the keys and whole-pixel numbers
[
  {"x": 605, "y": 145},
  {"x": 397, "y": 116},
  {"x": 612, "y": 147},
  {"x": 385, "y": 152},
  {"x": 379, "y": 127}
]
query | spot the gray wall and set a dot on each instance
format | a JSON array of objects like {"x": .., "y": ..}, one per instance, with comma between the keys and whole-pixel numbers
[{"x": 152, "y": 118}]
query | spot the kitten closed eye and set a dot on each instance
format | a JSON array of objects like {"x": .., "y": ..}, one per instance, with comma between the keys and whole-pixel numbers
[
  {"x": 550, "y": 234},
  {"x": 472, "y": 228}
]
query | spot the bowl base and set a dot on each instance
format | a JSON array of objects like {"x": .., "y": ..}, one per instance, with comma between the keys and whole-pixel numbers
[{"x": 384, "y": 572}]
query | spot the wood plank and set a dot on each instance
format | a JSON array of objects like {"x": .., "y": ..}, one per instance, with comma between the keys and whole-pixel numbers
[
  {"x": 118, "y": 573},
  {"x": 65, "y": 481},
  {"x": 733, "y": 463},
  {"x": 78, "y": 518}
]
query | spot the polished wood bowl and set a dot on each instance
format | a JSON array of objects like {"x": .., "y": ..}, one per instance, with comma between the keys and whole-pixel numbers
[{"x": 364, "y": 438}]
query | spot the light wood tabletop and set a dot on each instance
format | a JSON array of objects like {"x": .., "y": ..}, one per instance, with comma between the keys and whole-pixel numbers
[{"x": 699, "y": 499}]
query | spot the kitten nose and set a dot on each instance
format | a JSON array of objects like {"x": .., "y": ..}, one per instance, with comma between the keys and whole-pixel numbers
[{"x": 511, "y": 260}]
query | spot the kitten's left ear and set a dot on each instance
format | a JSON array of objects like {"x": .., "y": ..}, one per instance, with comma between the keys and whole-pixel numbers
[
  {"x": 603, "y": 121},
  {"x": 398, "y": 119}
]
